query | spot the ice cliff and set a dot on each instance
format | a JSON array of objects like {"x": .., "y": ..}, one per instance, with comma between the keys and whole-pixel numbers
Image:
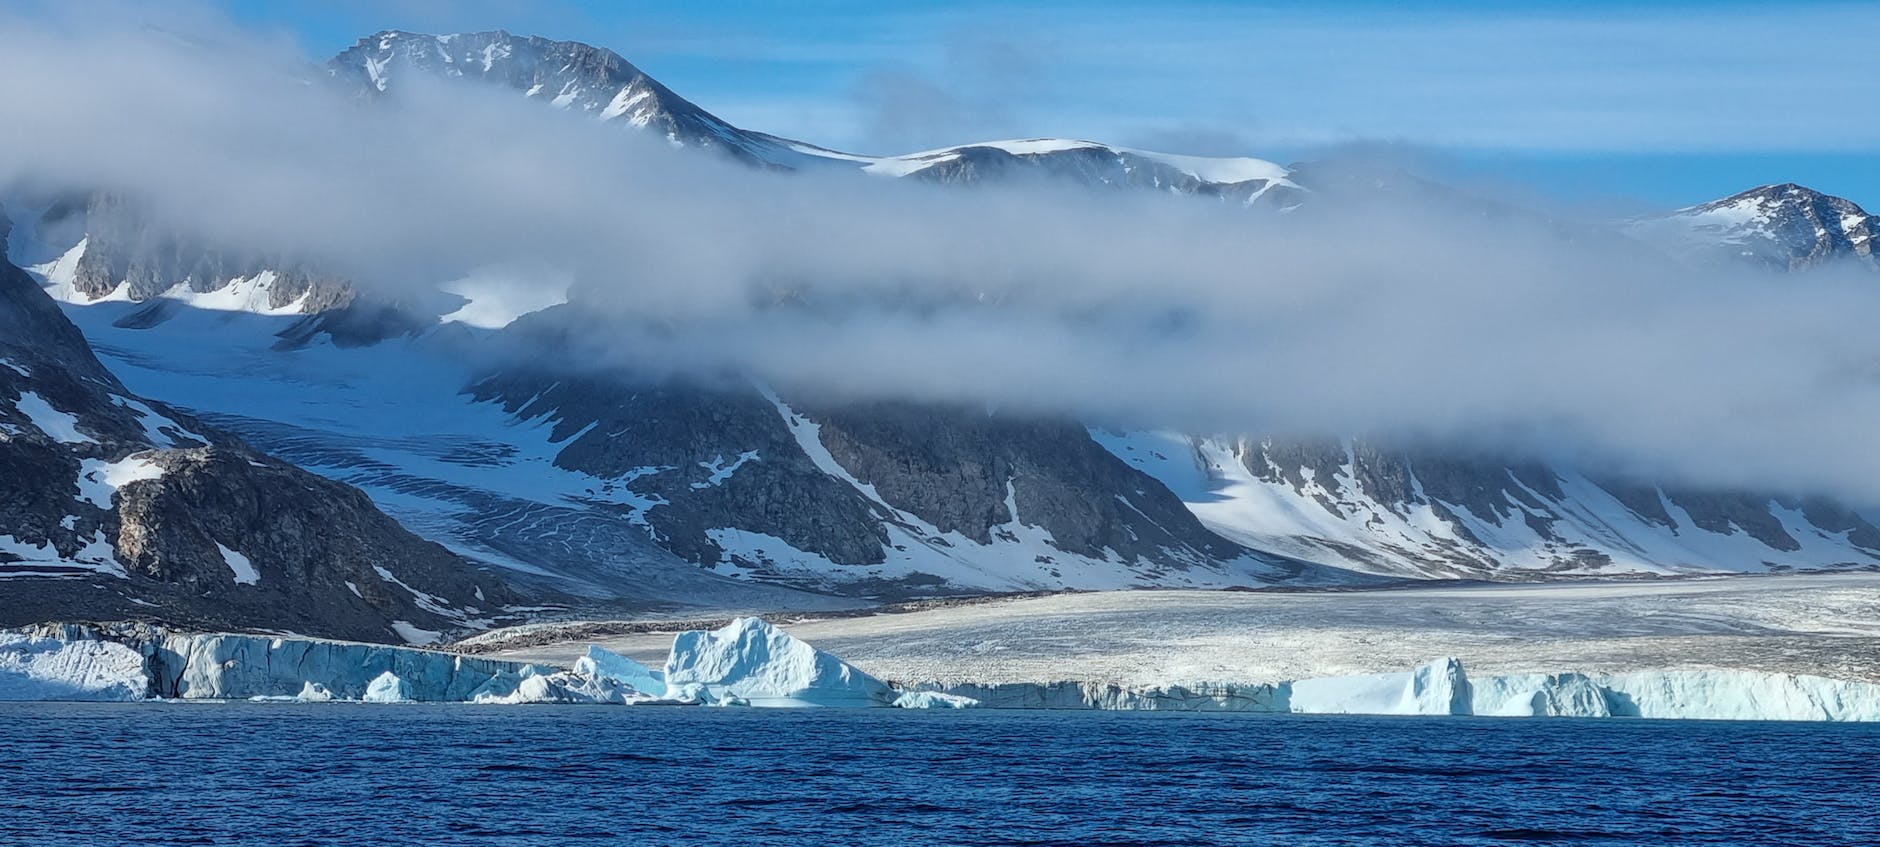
[
  {"x": 1442, "y": 687},
  {"x": 51, "y": 668},
  {"x": 82, "y": 663},
  {"x": 748, "y": 662}
]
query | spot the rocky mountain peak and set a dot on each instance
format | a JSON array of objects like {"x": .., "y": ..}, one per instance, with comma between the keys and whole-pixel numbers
[
  {"x": 566, "y": 74},
  {"x": 1783, "y": 226}
]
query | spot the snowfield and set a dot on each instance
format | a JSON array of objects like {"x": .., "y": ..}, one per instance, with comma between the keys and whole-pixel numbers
[{"x": 1825, "y": 625}]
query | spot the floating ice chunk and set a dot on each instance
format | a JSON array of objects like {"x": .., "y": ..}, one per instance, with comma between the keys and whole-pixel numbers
[
  {"x": 386, "y": 688},
  {"x": 602, "y": 663},
  {"x": 57, "y": 669},
  {"x": 1438, "y": 688},
  {"x": 933, "y": 700},
  {"x": 751, "y": 661}
]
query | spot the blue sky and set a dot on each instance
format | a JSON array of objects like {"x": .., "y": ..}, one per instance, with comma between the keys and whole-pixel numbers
[{"x": 1597, "y": 102}]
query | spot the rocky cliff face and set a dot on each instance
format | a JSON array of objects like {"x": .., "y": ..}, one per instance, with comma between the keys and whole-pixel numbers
[
  {"x": 109, "y": 247},
  {"x": 973, "y": 472},
  {"x": 118, "y": 507}
]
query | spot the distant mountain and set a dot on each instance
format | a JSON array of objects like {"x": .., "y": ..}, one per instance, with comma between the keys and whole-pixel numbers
[
  {"x": 1243, "y": 180},
  {"x": 1425, "y": 512},
  {"x": 1783, "y": 227}
]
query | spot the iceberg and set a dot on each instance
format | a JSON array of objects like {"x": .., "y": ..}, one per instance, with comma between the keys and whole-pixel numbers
[
  {"x": 934, "y": 700},
  {"x": 752, "y": 662},
  {"x": 603, "y": 664},
  {"x": 385, "y": 688}
]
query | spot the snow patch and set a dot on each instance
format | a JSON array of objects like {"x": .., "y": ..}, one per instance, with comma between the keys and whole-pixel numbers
[
  {"x": 19, "y": 559},
  {"x": 415, "y": 635},
  {"x": 58, "y": 426},
  {"x": 99, "y": 480},
  {"x": 244, "y": 570}
]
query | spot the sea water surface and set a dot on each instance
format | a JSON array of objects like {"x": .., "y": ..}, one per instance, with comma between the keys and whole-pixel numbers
[{"x": 342, "y": 774}]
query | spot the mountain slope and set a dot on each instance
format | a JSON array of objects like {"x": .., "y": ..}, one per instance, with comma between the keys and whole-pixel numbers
[
  {"x": 118, "y": 507},
  {"x": 1435, "y": 513}
]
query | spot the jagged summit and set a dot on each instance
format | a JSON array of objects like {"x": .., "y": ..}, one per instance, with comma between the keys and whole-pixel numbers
[{"x": 1783, "y": 226}]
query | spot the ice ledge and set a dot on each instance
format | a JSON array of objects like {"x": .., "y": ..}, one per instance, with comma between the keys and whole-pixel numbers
[{"x": 1442, "y": 687}]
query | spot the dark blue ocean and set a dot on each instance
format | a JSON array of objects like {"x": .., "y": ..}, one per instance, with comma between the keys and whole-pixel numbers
[{"x": 368, "y": 775}]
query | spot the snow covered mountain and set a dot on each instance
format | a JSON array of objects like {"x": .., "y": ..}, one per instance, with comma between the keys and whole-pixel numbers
[
  {"x": 675, "y": 496},
  {"x": 1243, "y": 180},
  {"x": 566, "y": 75},
  {"x": 116, "y": 506},
  {"x": 579, "y": 77},
  {"x": 1427, "y": 513},
  {"x": 1783, "y": 227}
]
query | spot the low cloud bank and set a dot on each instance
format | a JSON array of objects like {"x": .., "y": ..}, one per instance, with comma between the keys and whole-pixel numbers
[{"x": 1410, "y": 317}]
